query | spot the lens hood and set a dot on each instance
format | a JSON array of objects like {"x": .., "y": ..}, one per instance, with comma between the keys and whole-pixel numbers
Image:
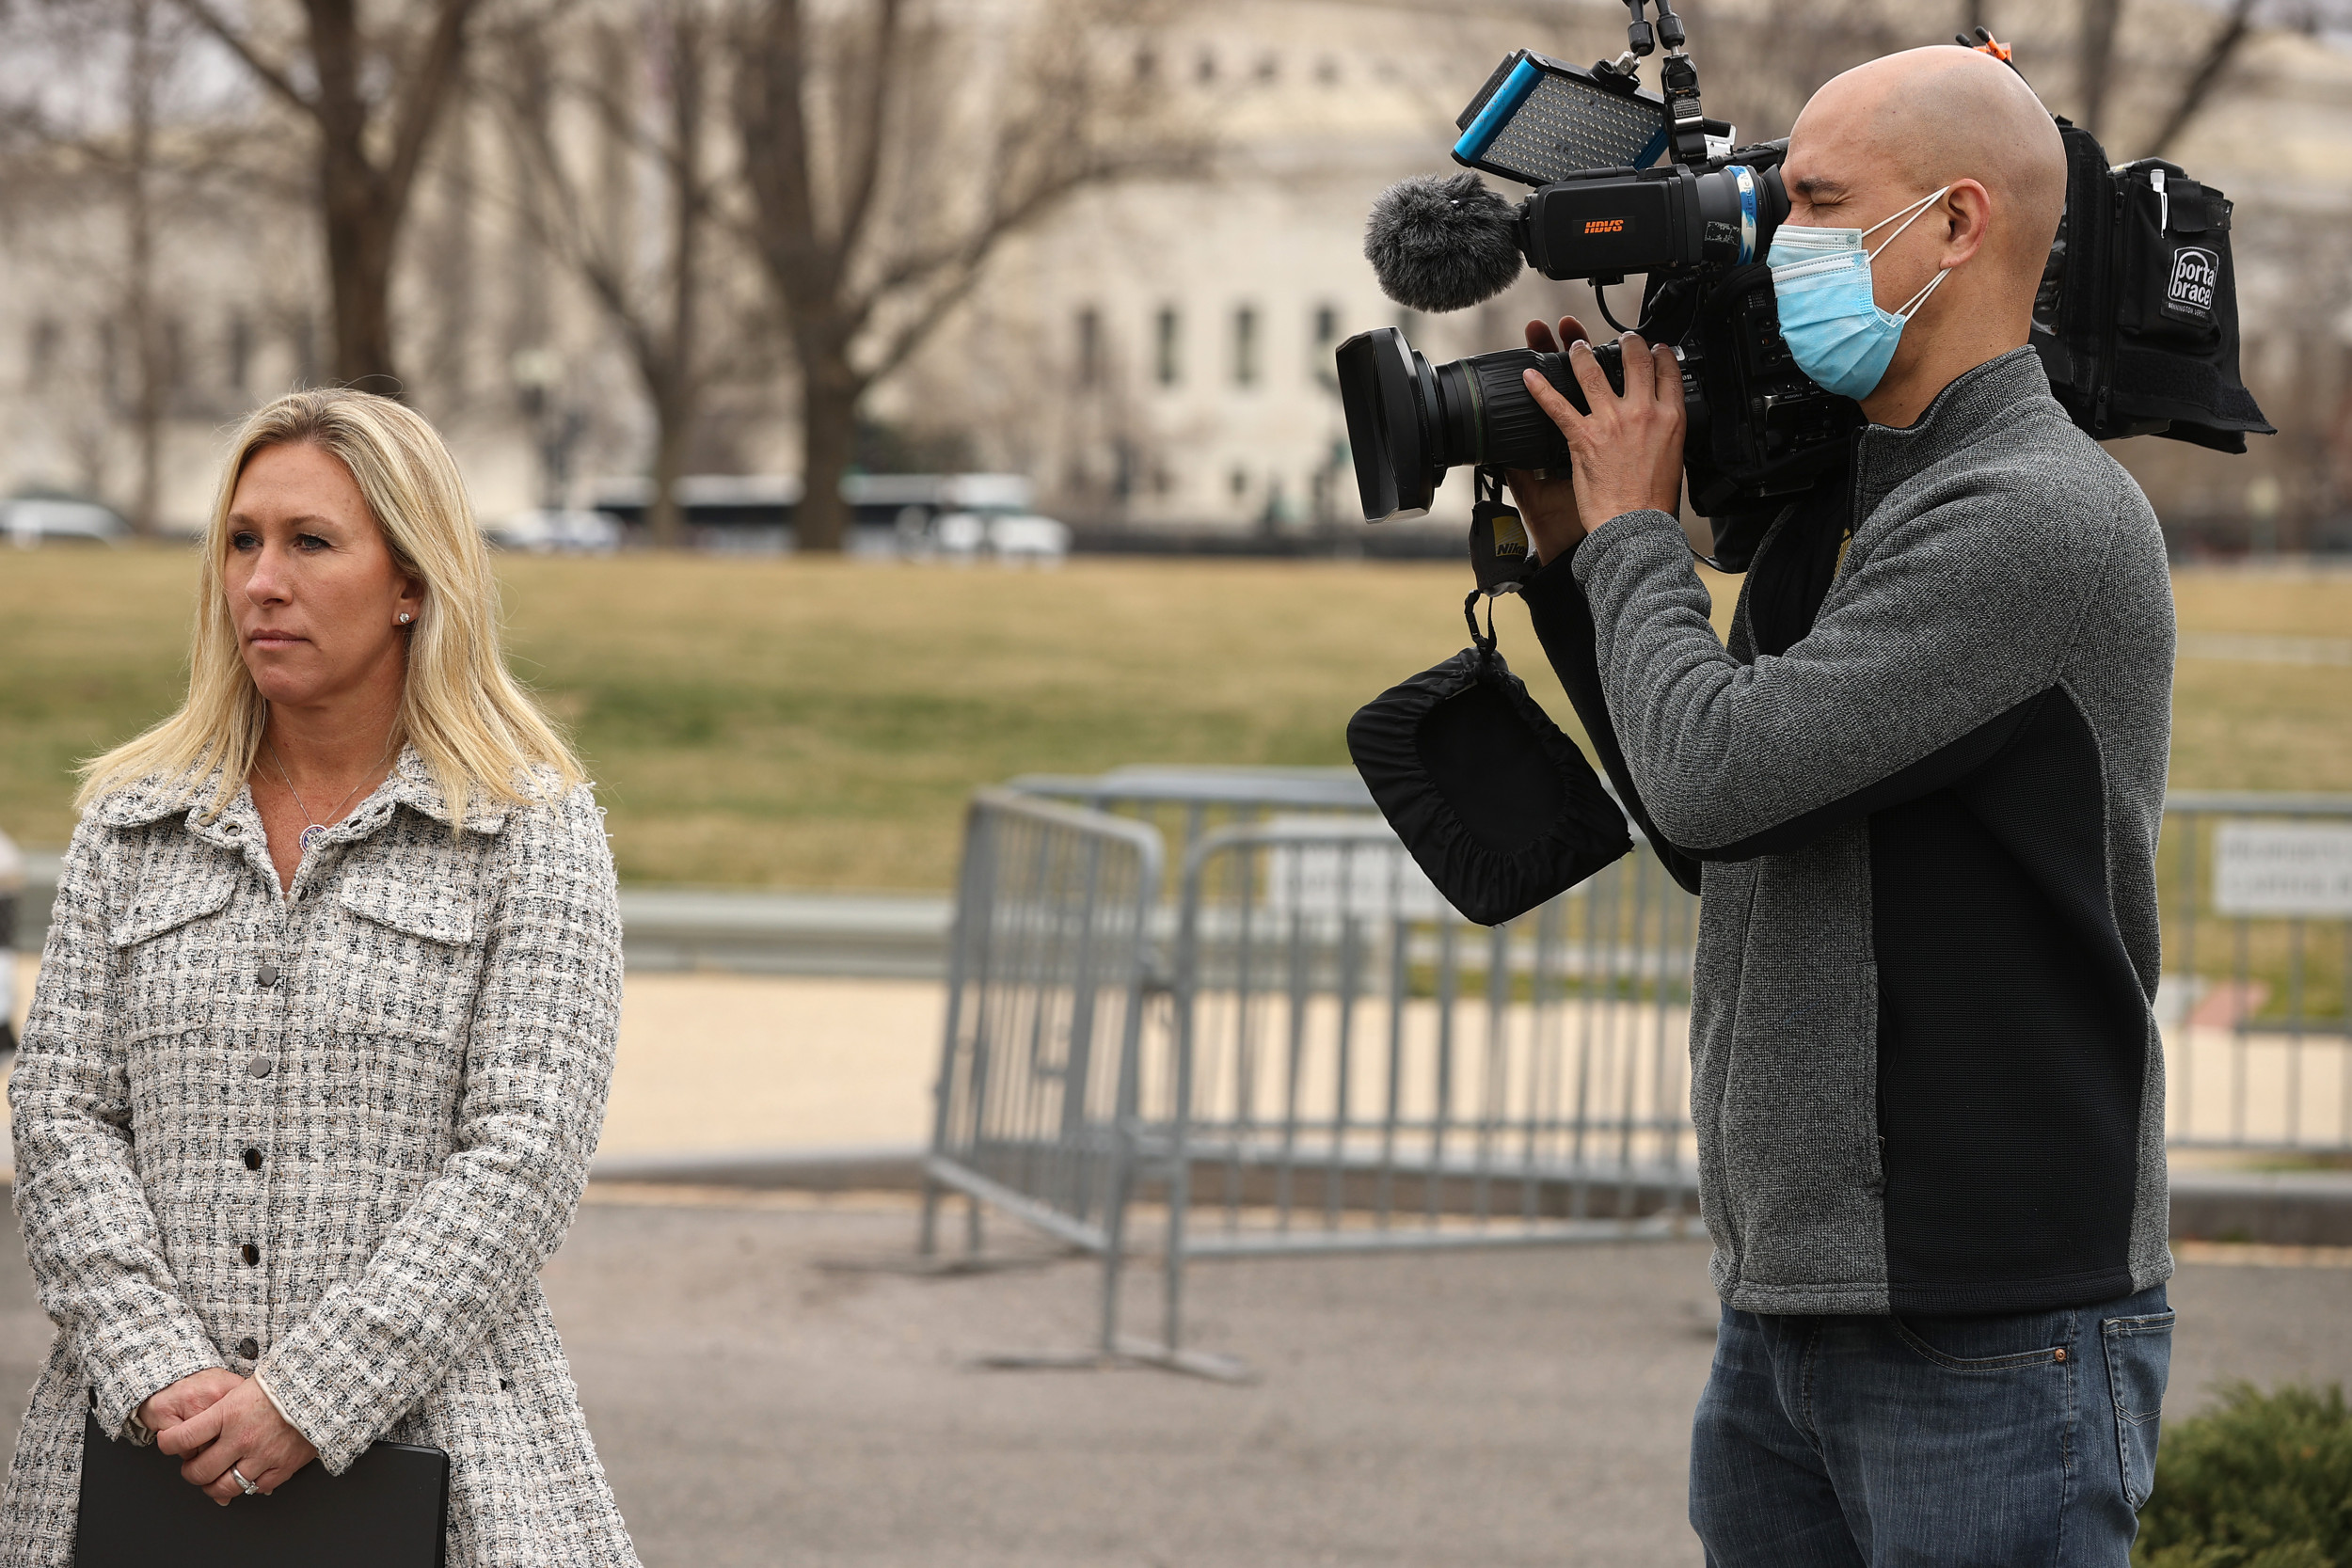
[{"x": 1387, "y": 427}]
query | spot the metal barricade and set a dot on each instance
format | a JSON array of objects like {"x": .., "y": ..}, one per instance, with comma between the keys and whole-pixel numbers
[
  {"x": 1188, "y": 803},
  {"x": 1341, "y": 1062},
  {"x": 1050, "y": 967},
  {"x": 2257, "y": 892},
  {"x": 1356, "y": 1067}
]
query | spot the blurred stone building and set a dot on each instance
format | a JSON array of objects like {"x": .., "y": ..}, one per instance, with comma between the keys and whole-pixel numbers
[{"x": 1155, "y": 353}]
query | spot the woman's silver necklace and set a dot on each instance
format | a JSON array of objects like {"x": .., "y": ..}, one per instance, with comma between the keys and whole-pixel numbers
[{"x": 310, "y": 833}]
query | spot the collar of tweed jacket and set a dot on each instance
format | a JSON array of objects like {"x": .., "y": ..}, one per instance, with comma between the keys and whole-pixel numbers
[{"x": 410, "y": 783}]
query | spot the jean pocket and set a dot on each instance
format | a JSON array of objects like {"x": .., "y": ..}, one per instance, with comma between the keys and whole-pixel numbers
[
  {"x": 1988, "y": 1344},
  {"x": 2139, "y": 1357}
]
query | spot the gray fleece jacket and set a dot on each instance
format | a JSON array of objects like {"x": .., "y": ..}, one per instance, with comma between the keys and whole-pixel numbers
[{"x": 1923, "y": 808}]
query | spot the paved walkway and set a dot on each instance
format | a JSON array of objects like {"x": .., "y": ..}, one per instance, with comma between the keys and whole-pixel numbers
[
  {"x": 725, "y": 1061},
  {"x": 757, "y": 1404},
  {"x": 719, "y": 1063},
  {"x": 716, "y": 1063}
]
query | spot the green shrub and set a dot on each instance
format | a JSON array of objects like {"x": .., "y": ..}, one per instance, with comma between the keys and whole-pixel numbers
[{"x": 2263, "y": 1481}]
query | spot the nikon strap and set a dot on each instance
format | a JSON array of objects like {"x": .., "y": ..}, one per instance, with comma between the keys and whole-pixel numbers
[{"x": 1501, "y": 558}]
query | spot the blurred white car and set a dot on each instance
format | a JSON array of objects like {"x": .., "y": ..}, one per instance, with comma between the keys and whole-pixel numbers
[
  {"x": 1022, "y": 537},
  {"x": 1028, "y": 538},
  {"x": 34, "y": 520},
  {"x": 549, "y": 530}
]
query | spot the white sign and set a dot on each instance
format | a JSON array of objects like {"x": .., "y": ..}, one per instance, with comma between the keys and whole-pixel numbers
[
  {"x": 2282, "y": 868},
  {"x": 1371, "y": 879}
]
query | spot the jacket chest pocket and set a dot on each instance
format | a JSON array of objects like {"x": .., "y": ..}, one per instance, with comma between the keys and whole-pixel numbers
[
  {"x": 175, "y": 962},
  {"x": 409, "y": 959}
]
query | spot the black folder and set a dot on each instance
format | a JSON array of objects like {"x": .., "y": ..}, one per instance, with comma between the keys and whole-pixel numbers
[{"x": 389, "y": 1509}]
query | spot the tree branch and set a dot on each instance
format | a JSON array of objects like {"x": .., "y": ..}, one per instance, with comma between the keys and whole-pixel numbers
[
  {"x": 427, "y": 88},
  {"x": 526, "y": 102},
  {"x": 916, "y": 269},
  {"x": 2207, "y": 75},
  {"x": 620, "y": 123},
  {"x": 272, "y": 76},
  {"x": 864, "y": 172},
  {"x": 963, "y": 265},
  {"x": 2095, "y": 59}
]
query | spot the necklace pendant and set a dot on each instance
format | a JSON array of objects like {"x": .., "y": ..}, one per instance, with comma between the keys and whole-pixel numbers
[{"x": 310, "y": 835}]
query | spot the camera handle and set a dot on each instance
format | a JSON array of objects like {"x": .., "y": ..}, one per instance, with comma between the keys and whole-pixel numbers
[{"x": 1686, "y": 120}]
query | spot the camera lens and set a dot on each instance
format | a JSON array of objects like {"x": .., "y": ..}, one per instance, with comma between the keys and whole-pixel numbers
[{"x": 1408, "y": 424}]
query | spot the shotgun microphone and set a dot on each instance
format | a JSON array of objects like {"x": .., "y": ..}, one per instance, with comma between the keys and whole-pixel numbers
[{"x": 1442, "y": 241}]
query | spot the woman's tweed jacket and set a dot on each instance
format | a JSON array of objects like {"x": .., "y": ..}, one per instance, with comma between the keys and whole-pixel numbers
[{"x": 389, "y": 1080}]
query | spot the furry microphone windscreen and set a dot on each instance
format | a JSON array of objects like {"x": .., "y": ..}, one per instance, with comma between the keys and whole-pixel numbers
[{"x": 1442, "y": 241}]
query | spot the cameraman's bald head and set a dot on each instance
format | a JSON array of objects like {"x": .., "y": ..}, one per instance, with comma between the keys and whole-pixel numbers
[{"x": 1885, "y": 135}]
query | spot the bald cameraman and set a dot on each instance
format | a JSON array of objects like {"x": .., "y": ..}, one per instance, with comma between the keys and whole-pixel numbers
[{"x": 1921, "y": 788}]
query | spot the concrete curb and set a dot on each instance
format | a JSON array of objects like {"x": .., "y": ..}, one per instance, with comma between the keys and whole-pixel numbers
[
  {"x": 866, "y": 936},
  {"x": 889, "y": 1169},
  {"x": 2281, "y": 1208},
  {"x": 2286, "y": 1208}
]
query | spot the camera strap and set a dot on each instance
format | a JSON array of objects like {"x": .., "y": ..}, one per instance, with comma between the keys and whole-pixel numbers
[
  {"x": 1500, "y": 556},
  {"x": 1484, "y": 643}
]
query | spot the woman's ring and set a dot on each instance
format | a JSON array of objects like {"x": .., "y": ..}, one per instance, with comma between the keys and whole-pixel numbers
[{"x": 249, "y": 1487}]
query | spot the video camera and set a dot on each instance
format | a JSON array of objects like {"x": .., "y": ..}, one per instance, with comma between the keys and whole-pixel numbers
[{"x": 2136, "y": 321}]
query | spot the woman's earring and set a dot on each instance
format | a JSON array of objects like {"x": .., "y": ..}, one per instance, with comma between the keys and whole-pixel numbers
[{"x": 405, "y": 617}]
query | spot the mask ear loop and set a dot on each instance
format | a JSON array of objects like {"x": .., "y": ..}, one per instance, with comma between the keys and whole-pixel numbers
[
  {"x": 1916, "y": 209},
  {"x": 1912, "y": 308}
]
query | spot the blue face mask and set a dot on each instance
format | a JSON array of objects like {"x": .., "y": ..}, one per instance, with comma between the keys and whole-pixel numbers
[{"x": 1828, "y": 315}]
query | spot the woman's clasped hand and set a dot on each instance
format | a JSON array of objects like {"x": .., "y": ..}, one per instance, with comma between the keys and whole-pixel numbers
[{"x": 219, "y": 1426}]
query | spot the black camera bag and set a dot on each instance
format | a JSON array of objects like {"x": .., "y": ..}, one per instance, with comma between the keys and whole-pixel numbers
[
  {"x": 1497, "y": 807},
  {"x": 2136, "y": 316}
]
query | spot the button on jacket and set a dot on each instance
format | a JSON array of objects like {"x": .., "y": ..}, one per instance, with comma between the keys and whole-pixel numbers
[
  {"x": 332, "y": 1133},
  {"x": 1923, "y": 805}
]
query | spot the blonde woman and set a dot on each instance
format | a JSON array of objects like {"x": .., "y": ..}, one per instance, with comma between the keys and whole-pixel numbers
[{"x": 318, "y": 1053}]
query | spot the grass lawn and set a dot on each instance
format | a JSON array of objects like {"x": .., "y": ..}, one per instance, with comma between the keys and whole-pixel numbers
[{"x": 818, "y": 723}]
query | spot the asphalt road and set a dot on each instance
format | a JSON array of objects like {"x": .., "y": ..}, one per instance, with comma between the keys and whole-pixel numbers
[{"x": 757, "y": 1404}]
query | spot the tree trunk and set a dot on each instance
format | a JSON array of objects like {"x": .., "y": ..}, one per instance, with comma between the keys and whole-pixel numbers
[
  {"x": 363, "y": 202},
  {"x": 830, "y": 390},
  {"x": 678, "y": 394},
  {"x": 360, "y": 238},
  {"x": 674, "y": 423},
  {"x": 139, "y": 281}
]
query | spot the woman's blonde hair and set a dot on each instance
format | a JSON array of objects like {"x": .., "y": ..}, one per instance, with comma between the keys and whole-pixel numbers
[{"x": 476, "y": 729}]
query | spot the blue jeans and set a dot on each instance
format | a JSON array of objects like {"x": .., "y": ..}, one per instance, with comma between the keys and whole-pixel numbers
[{"x": 1893, "y": 1441}]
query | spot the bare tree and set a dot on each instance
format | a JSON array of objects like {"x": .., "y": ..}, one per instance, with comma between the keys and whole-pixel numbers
[
  {"x": 657, "y": 309},
  {"x": 142, "y": 68},
  {"x": 114, "y": 140},
  {"x": 374, "y": 100},
  {"x": 2206, "y": 76},
  {"x": 2094, "y": 59},
  {"x": 889, "y": 149},
  {"x": 1765, "y": 67},
  {"x": 2096, "y": 67}
]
